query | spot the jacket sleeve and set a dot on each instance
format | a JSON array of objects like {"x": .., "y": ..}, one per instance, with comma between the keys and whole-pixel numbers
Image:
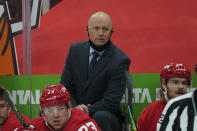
[{"x": 66, "y": 77}]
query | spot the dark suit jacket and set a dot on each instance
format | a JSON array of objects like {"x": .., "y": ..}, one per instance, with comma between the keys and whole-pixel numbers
[{"x": 105, "y": 89}]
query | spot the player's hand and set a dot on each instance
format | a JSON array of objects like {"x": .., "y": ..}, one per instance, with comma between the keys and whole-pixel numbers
[
  {"x": 83, "y": 108},
  {"x": 29, "y": 128}
]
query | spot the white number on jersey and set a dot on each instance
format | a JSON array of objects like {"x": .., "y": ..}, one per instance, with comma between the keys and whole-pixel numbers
[{"x": 88, "y": 125}]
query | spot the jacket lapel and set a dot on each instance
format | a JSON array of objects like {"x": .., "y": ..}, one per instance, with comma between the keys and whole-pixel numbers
[{"x": 105, "y": 58}]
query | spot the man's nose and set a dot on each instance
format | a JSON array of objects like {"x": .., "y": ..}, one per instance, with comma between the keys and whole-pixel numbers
[
  {"x": 181, "y": 85},
  {"x": 101, "y": 32}
]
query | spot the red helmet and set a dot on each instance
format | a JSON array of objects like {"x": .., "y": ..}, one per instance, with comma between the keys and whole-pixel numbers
[
  {"x": 54, "y": 95},
  {"x": 175, "y": 70}
]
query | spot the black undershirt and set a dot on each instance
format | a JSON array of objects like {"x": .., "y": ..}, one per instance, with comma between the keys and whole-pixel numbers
[{"x": 99, "y": 48}]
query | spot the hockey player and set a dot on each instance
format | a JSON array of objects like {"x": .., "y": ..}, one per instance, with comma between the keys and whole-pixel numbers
[
  {"x": 175, "y": 78},
  {"x": 8, "y": 120},
  {"x": 57, "y": 114},
  {"x": 180, "y": 113}
]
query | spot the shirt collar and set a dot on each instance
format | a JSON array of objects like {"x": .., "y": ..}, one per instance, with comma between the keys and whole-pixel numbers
[{"x": 92, "y": 50}]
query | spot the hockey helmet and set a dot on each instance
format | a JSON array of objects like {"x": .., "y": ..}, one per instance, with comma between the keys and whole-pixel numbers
[{"x": 54, "y": 95}]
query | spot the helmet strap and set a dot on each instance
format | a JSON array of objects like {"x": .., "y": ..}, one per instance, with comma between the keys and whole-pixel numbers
[
  {"x": 46, "y": 123},
  {"x": 164, "y": 90}
]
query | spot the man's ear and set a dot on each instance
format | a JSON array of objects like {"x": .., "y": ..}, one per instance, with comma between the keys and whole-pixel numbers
[
  {"x": 41, "y": 111},
  {"x": 68, "y": 105},
  {"x": 112, "y": 31},
  {"x": 9, "y": 108},
  {"x": 87, "y": 30}
]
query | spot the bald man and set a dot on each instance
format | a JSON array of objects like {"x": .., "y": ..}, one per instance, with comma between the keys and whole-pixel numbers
[{"x": 94, "y": 73}]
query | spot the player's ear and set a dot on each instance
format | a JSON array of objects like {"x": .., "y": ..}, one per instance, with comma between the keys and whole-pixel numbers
[
  {"x": 8, "y": 107},
  {"x": 41, "y": 111}
]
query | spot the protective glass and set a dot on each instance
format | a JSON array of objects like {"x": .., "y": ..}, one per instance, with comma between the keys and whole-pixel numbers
[{"x": 55, "y": 109}]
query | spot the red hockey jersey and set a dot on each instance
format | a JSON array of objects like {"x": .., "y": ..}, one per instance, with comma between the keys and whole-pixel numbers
[
  {"x": 79, "y": 121},
  {"x": 13, "y": 123},
  {"x": 150, "y": 115}
]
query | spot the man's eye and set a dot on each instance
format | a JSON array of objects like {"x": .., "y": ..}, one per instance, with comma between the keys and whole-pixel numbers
[
  {"x": 105, "y": 29},
  {"x": 96, "y": 28},
  {"x": 61, "y": 109},
  {"x": 175, "y": 82},
  {"x": 3, "y": 105},
  {"x": 50, "y": 110},
  {"x": 184, "y": 83}
]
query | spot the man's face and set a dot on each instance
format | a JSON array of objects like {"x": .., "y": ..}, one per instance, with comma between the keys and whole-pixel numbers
[
  {"x": 4, "y": 112},
  {"x": 56, "y": 116},
  {"x": 99, "y": 30},
  {"x": 176, "y": 87}
]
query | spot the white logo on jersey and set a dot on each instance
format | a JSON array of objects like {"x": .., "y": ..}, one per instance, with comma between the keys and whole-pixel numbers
[
  {"x": 85, "y": 127},
  {"x": 51, "y": 92}
]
